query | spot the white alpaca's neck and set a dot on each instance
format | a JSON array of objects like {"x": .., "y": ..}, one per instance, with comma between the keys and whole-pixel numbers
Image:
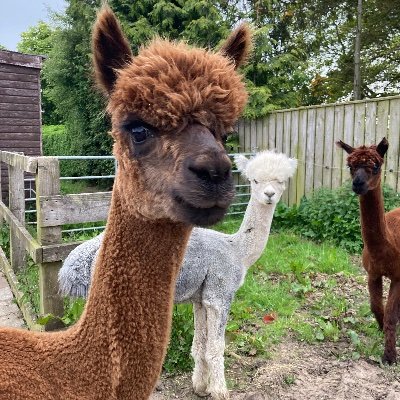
[{"x": 252, "y": 236}]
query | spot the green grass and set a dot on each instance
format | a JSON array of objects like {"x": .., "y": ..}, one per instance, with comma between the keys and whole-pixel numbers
[{"x": 313, "y": 292}]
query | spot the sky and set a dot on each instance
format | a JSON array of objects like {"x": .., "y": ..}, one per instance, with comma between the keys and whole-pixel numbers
[{"x": 16, "y": 16}]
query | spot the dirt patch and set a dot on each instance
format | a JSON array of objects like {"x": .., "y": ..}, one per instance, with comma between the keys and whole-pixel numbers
[{"x": 298, "y": 372}]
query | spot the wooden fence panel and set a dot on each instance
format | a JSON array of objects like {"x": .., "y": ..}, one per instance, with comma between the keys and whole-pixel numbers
[
  {"x": 319, "y": 147},
  {"x": 310, "y": 133},
  {"x": 392, "y": 157},
  {"x": 329, "y": 147}
]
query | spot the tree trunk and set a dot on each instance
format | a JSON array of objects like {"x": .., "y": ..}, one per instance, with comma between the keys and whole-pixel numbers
[{"x": 357, "y": 51}]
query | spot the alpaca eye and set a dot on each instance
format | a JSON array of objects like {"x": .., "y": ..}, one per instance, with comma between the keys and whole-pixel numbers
[
  {"x": 280, "y": 182},
  {"x": 140, "y": 134},
  {"x": 255, "y": 181},
  {"x": 224, "y": 138},
  {"x": 375, "y": 169}
]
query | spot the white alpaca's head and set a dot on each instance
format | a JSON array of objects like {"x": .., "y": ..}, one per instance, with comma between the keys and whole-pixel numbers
[{"x": 268, "y": 173}]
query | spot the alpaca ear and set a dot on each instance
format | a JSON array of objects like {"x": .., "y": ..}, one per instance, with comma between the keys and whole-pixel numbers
[
  {"x": 382, "y": 147},
  {"x": 241, "y": 162},
  {"x": 110, "y": 49},
  {"x": 347, "y": 148},
  {"x": 238, "y": 45},
  {"x": 293, "y": 166}
]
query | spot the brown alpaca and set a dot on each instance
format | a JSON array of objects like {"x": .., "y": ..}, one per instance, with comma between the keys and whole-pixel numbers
[
  {"x": 170, "y": 106},
  {"x": 380, "y": 233}
]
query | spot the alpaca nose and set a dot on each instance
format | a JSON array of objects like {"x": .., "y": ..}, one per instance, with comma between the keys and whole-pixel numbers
[
  {"x": 216, "y": 172},
  {"x": 269, "y": 193}
]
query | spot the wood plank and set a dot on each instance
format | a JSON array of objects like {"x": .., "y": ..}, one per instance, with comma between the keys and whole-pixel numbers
[
  {"x": 19, "y": 129},
  {"x": 348, "y": 129},
  {"x": 329, "y": 146},
  {"x": 26, "y": 115},
  {"x": 370, "y": 123},
  {"x": 8, "y": 83},
  {"x": 319, "y": 146},
  {"x": 359, "y": 124},
  {"x": 311, "y": 126},
  {"x": 19, "y": 107},
  {"x": 272, "y": 131},
  {"x": 74, "y": 208},
  {"x": 17, "y": 69},
  {"x": 19, "y": 100},
  {"x": 241, "y": 134},
  {"x": 20, "y": 121},
  {"x": 260, "y": 134},
  {"x": 20, "y": 77},
  {"x": 294, "y": 150},
  {"x": 16, "y": 203},
  {"x": 392, "y": 156},
  {"x": 253, "y": 136},
  {"x": 20, "y": 145},
  {"x": 18, "y": 92},
  {"x": 382, "y": 128},
  {"x": 58, "y": 252},
  {"x": 29, "y": 243},
  {"x": 25, "y": 60},
  {"x": 301, "y": 155},
  {"x": 287, "y": 121},
  {"x": 28, "y": 164},
  {"x": 48, "y": 184},
  {"x": 339, "y": 156},
  {"x": 279, "y": 132},
  {"x": 382, "y": 124},
  {"x": 265, "y": 134},
  {"x": 7, "y": 137},
  {"x": 247, "y": 136}
]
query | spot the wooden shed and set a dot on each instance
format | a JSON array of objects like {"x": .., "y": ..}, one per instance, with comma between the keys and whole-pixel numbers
[{"x": 20, "y": 111}]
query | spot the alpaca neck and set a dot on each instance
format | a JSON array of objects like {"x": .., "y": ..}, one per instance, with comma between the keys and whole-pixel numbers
[
  {"x": 252, "y": 236},
  {"x": 373, "y": 225},
  {"x": 131, "y": 298}
]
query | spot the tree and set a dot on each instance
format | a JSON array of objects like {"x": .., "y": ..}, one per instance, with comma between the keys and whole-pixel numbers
[
  {"x": 39, "y": 40},
  {"x": 68, "y": 69},
  {"x": 2, "y": 47}
]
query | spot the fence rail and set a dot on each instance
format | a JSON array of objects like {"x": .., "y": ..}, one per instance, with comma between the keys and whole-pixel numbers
[
  {"x": 53, "y": 211},
  {"x": 310, "y": 133}
]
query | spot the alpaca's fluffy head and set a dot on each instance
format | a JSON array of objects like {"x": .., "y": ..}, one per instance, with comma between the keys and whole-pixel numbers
[
  {"x": 171, "y": 107},
  {"x": 268, "y": 173},
  {"x": 365, "y": 165}
]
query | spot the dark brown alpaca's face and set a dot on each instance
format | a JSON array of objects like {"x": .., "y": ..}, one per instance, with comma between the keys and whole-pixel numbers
[
  {"x": 365, "y": 165},
  {"x": 171, "y": 107},
  {"x": 186, "y": 176}
]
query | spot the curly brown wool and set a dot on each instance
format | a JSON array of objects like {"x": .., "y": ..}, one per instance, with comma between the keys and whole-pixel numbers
[
  {"x": 380, "y": 233},
  {"x": 170, "y": 107}
]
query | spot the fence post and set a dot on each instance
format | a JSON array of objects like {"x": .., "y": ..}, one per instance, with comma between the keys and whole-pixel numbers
[
  {"x": 48, "y": 184},
  {"x": 17, "y": 207}
]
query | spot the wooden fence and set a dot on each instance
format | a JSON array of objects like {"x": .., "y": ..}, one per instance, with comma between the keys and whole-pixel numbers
[
  {"x": 310, "y": 133},
  {"x": 45, "y": 245}
]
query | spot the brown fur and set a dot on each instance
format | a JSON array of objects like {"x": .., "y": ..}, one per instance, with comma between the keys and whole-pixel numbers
[
  {"x": 380, "y": 232},
  {"x": 183, "y": 100}
]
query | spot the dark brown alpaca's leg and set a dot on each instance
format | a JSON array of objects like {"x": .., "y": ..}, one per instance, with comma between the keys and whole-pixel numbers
[
  {"x": 376, "y": 298},
  {"x": 390, "y": 321}
]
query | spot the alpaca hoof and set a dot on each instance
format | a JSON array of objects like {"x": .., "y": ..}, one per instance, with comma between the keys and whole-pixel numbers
[
  {"x": 220, "y": 395},
  {"x": 389, "y": 359},
  {"x": 201, "y": 392}
]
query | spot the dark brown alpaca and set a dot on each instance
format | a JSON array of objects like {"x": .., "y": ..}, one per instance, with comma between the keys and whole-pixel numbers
[
  {"x": 380, "y": 233},
  {"x": 170, "y": 107}
]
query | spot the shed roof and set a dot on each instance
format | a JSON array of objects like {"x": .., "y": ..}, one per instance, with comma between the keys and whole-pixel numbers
[{"x": 24, "y": 60}]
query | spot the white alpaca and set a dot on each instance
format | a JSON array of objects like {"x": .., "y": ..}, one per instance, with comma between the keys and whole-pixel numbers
[{"x": 214, "y": 267}]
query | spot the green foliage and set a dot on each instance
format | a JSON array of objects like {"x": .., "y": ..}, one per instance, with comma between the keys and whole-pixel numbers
[
  {"x": 2, "y": 47},
  {"x": 39, "y": 39},
  {"x": 178, "y": 358},
  {"x": 330, "y": 215}
]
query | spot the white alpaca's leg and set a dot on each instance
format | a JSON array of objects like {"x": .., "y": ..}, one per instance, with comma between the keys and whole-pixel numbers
[
  {"x": 215, "y": 353},
  {"x": 200, "y": 372}
]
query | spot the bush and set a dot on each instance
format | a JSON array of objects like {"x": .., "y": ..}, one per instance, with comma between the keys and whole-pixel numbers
[
  {"x": 58, "y": 142},
  {"x": 330, "y": 215}
]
